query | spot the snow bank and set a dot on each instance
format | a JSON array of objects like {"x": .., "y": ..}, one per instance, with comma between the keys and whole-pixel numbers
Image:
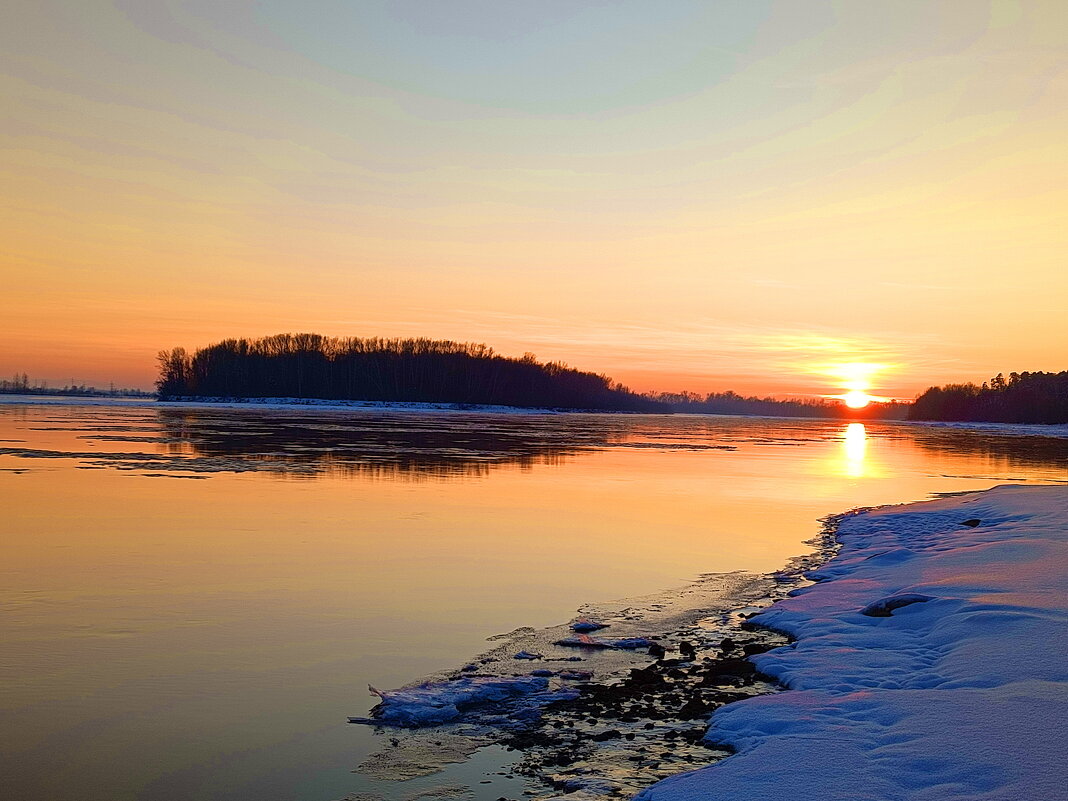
[
  {"x": 387, "y": 406},
  {"x": 931, "y": 662},
  {"x": 281, "y": 404}
]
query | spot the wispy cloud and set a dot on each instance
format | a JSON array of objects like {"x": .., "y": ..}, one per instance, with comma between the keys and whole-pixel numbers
[{"x": 705, "y": 352}]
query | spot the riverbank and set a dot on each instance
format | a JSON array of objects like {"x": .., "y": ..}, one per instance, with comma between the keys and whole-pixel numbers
[
  {"x": 595, "y": 712},
  {"x": 928, "y": 663}
]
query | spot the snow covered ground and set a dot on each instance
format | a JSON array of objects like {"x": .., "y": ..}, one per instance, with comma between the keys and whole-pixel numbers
[
  {"x": 319, "y": 404},
  {"x": 284, "y": 404},
  {"x": 1005, "y": 429},
  {"x": 961, "y": 696}
]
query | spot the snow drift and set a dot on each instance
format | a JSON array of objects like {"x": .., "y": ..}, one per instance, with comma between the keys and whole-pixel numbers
[{"x": 931, "y": 662}]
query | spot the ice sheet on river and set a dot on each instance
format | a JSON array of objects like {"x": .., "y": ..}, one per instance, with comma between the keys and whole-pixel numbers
[{"x": 960, "y": 693}]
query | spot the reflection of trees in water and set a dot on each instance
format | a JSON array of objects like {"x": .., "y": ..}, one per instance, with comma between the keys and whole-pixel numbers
[
  {"x": 383, "y": 445},
  {"x": 1000, "y": 451},
  {"x": 305, "y": 443}
]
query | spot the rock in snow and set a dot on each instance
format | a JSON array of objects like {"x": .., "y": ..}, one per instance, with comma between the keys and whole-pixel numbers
[
  {"x": 885, "y": 607},
  {"x": 931, "y": 664}
]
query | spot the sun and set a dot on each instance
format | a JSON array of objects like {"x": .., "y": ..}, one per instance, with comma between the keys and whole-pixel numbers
[{"x": 856, "y": 399}]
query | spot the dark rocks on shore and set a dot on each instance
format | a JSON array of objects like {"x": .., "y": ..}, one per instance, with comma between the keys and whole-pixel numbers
[
  {"x": 884, "y": 607},
  {"x": 649, "y": 713}
]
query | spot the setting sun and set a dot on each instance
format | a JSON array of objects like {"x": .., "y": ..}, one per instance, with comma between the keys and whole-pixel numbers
[
  {"x": 857, "y": 399},
  {"x": 855, "y": 378}
]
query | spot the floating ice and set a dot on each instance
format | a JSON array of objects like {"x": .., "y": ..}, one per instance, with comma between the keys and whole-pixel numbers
[
  {"x": 576, "y": 675},
  {"x": 629, "y": 643},
  {"x": 588, "y": 785},
  {"x": 585, "y": 625},
  {"x": 434, "y": 703},
  {"x": 586, "y": 641}
]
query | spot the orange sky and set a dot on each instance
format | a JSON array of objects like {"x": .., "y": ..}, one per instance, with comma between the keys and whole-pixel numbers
[{"x": 685, "y": 196}]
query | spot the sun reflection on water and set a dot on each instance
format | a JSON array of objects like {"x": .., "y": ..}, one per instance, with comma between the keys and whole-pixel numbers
[{"x": 855, "y": 444}]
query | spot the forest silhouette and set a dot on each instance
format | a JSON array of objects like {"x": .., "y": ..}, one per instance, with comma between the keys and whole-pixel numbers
[
  {"x": 311, "y": 366},
  {"x": 400, "y": 370},
  {"x": 1020, "y": 398},
  {"x": 733, "y": 403}
]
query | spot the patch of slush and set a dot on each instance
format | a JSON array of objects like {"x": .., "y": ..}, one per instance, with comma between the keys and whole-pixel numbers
[
  {"x": 401, "y": 764},
  {"x": 445, "y": 767},
  {"x": 958, "y": 696}
]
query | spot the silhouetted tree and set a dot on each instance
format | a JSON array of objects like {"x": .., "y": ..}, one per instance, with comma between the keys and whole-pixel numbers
[
  {"x": 732, "y": 403},
  {"x": 374, "y": 369},
  {"x": 1022, "y": 398}
]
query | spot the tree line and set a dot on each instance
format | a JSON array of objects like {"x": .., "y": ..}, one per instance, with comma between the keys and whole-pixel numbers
[
  {"x": 443, "y": 371},
  {"x": 375, "y": 369},
  {"x": 22, "y": 384},
  {"x": 733, "y": 403},
  {"x": 1020, "y": 398}
]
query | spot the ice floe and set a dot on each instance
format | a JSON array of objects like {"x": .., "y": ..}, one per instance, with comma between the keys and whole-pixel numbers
[
  {"x": 585, "y": 641},
  {"x": 434, "y": 703},
  {"x": 496, "y": 700},
  {"x": 586, "y": 625}
]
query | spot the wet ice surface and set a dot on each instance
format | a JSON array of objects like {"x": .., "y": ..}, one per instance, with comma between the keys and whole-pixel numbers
[{"x": 393, "y": 443}]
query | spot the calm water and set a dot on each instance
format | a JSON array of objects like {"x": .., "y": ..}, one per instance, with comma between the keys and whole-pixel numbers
[{"x": 193, "y": 600}]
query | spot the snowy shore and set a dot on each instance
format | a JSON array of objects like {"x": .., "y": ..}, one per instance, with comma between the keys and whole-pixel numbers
[
  {"x": 280, "y": 404},
  {"x": 930, "y": 662},
  {"x": 324, "y": 405}
]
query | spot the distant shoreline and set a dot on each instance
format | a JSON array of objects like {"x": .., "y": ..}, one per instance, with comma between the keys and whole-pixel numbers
[
  {"x": 1055, "y": 430},
  {"x": 409, "y": 406},
  {"x": 318, "y": 404}
]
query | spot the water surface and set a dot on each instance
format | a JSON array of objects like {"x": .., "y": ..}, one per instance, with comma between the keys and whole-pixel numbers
[{"x": 194, "y": 599}]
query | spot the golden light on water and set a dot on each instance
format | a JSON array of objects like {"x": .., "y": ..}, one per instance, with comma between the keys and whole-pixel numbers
[{"x": 855, "y": 445}]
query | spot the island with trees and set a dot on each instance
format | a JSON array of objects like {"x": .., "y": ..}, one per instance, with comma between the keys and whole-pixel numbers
[
  {"x": 390, "y": 370},
  {"x": 374, "y": 369}
]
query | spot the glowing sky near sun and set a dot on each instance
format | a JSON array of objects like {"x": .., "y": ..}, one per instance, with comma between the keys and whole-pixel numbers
[{"x": 736, "y": 195}]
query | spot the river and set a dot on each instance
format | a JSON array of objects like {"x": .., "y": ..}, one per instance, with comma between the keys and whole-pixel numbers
[{"x": 194, "y": 599}]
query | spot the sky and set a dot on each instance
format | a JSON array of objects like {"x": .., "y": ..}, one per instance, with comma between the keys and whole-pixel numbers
[{"x": 740, "y": 194}]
